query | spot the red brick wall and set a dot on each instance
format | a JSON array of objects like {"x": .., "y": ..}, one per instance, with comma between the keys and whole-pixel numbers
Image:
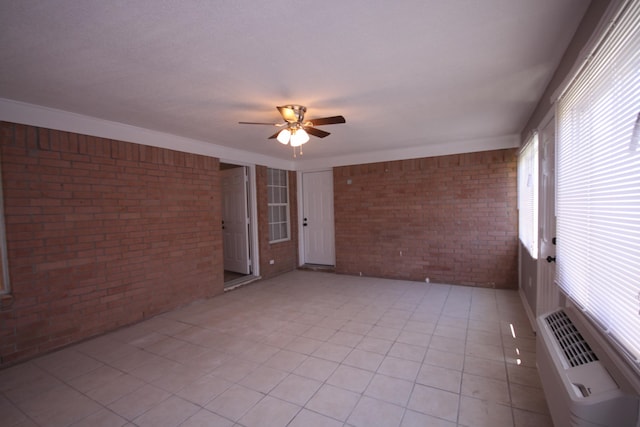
[
  {"x": 101, "y": 234},
  {"x": 453, "y": 218},
  {"x": 284, "y": 254}
]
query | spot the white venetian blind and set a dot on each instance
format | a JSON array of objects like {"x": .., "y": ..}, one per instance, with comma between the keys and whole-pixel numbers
[
  {"x": 598, "y": 184},
  {"x": 528, "y": 196}
]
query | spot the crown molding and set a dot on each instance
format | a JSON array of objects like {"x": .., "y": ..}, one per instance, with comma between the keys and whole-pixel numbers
[{"x": 36, "y": 115}]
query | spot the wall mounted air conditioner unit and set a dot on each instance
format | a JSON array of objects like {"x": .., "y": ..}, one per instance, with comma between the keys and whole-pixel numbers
[{"x": 579, "y": 389}]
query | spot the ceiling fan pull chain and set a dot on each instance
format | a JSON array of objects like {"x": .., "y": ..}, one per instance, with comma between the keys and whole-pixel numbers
[{"x": 299, "y": 151}]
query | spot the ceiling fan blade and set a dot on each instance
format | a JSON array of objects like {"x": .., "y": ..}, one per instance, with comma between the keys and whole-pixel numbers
[
  {"x": 275, "y": 135},
  {"x": 328, "y": 121},
  {"x": 316, "y": 132},
  {"x": 288, "y": 113},
  {"x": 260, "y": 123}
]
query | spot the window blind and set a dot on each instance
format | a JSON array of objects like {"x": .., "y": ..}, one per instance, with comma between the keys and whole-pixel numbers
[
  {"x": 528, "y": 196},
  {"x": 598, "y": 185}
]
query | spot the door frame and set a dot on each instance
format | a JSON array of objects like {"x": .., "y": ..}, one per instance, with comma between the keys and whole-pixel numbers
[
  {"x": 300, "y": 195},
  {"x": 252, "y": 207}
]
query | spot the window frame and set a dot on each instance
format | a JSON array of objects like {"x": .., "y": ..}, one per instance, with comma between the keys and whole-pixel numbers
[
  {"x": 271, "y": 203},
  {"x": 5, "y": 284}
]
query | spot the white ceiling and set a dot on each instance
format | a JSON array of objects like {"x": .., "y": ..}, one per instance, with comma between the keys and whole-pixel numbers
[{"x": 406, "y": 74}]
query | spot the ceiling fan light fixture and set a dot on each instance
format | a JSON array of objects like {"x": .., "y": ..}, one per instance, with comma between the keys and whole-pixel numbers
[
  {"x": 299, "y": 137},
  {"x": 284, "y": 136},
  {"x": 296, "y": 131}
]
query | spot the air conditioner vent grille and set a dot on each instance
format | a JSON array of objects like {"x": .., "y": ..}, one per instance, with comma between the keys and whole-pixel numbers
[{"x": 575, "y": 348}]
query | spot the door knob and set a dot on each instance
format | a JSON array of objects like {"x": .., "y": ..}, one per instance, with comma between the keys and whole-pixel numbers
[{"x": 551, "y": 259}]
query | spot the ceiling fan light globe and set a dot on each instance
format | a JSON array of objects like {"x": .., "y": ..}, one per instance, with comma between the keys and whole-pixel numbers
[
  {"x": 299, "y": 137},
  {"x": 284, "y": 136}
]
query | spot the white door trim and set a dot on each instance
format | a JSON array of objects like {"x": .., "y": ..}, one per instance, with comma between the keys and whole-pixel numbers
[
  {"x": 253, "y": 214},
  {"x": 300, "y": 204}
]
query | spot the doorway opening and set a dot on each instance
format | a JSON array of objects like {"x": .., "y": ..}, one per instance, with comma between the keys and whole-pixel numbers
[{"x": 236, "y": 225}]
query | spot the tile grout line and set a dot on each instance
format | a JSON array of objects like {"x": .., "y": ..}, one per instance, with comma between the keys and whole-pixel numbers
[{"x": 464, "y": 359}]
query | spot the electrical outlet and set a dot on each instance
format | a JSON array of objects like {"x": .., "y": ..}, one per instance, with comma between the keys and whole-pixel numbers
[{"x": 272, "y": 261}]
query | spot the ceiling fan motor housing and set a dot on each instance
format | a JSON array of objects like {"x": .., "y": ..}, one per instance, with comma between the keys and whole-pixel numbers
[{"x": 297, "y": 110}]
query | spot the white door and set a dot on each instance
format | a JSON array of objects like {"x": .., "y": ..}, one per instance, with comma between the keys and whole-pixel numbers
[
  {"x": 547, "y": 297},
  {"x": 318, "y": 228},
  {"x": 235, "y": 220}
]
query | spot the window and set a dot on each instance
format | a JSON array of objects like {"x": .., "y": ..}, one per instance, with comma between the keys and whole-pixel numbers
[
  {"x": 528, "y": 196},
  {"x": 598, "y": 185},
  {"x": 5, "y": 287},
  {"x": 278, "y": 205}
]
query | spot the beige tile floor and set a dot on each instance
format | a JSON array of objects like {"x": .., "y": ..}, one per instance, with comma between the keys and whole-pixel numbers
[{"x": 305, "y": 349}]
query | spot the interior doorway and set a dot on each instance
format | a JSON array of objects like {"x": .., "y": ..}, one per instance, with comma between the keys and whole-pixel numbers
[{"x": 236, "y": 224}]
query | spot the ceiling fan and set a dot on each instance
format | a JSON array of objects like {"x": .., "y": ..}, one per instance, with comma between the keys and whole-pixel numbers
[{"x": 296, "y": 130}]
